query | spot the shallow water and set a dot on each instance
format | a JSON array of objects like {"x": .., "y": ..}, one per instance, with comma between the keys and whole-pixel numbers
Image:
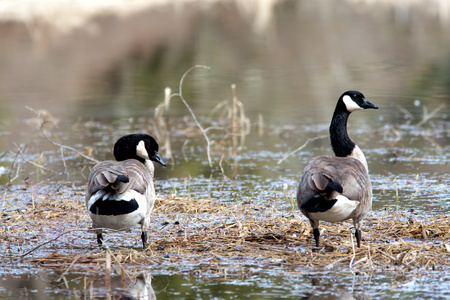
[
  {"x": 289, "y": 72},
  {"x": 294, "y": 285}
]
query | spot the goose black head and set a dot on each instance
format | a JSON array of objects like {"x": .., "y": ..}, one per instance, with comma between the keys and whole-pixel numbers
[
  {"x": 349, "y": 102},
  {"x": 137, "y": 146},
  {"x": 354, "y": 100}
]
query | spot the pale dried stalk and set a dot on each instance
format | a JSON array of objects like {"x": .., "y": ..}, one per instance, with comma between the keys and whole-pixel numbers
[
  {"x": 353, "y": 250},
  {"x": 68, "y": 148},
  {"x": 44, "y": 119},
  {"x": 260, "y": 125},
  {"x": 108, "y": 262},
  {"x": 162, "y": 124},
  {"x": 180, "y": 95},
  {"x": 21, "y": 151},
  {"x": 301, "y": 147},
  {"x": 427, "y": 116},
  {"x": 234, "y": 116}
]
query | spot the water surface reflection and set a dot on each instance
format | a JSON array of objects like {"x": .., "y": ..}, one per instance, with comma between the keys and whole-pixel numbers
[
  {"x": 299, "y": 285},
  {"x": 57, "y": 285}
]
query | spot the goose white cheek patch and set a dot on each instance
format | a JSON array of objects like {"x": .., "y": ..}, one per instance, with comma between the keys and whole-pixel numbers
[
  {"x": 141, "y": 151},
  {"x": 350, "y": 104}
]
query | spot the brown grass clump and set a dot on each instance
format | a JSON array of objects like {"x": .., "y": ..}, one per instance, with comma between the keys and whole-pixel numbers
[{"x": 190, "y": 235}]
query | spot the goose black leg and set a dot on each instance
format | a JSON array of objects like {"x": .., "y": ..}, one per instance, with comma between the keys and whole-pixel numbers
[
  {"x": 99, "y": 239},
  {"x": 358, "y": 237},
  {"x": 316, "y": 234},
  {"x": 144, "y": 238}
]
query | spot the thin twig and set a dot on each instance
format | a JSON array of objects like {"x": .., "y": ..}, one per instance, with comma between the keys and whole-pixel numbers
[
  {"x": 21, "y": 151},
  {"x": 180, "y": 95},
  {"x": 370, "y": 257},
  {"x": 57, "y": 144},
  {"x": 12, "y": 168},
  {"x": 221, "y": 168},
  {"x": 353, "y": 249},
  {"x": 396, "y": 260},
  {"x": 68, "y": 148},
  {"x": 301, "y": 147},
  {"x": 427, "y": 117},
  {"x": 44, "y": 243},
  {"x": 405, "y": 111},
  {"x": 68, "y": 268}
]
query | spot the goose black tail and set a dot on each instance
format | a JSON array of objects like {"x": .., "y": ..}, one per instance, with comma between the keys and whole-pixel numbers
[
  {"x": 318, "y": 203},
  {"x": 335, "y": 186},
  {"x": 122, "y": 178}
]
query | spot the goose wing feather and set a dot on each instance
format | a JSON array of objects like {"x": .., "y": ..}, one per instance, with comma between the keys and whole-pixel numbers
[
  {"x": 318, "y": 181},
  {"x": 346, "y": 172},
  {"x": 101, "y": 180},
  {"x": 113, "y": 174},
  {"x": 110, "y": 175}
]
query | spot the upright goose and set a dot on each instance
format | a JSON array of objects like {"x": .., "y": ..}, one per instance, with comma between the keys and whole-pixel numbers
[
  {"x": 337, "y": 188},
  {"x": 120, "y": 194}
]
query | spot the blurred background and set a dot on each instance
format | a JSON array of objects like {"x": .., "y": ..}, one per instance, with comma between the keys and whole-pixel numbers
[{"x": 285, "y": 56}]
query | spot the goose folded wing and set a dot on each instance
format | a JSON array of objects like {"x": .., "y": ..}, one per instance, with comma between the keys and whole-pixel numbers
[
  {"x": 119, "y": 176},
  {"x": 318, "y": 181},
  {"x": 350, "y": 175},
  {"x": 138, "y": 182}
]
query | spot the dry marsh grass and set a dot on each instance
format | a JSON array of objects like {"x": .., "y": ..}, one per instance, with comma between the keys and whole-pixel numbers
[{"x": 215, "y": 238}]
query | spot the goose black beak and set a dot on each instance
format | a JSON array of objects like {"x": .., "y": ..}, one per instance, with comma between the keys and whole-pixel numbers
[
  {"x": 158, "y": 158},
  {"x": 368, "y": 104}
]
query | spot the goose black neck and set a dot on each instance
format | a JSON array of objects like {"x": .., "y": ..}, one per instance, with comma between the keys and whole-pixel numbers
[
  {"x": 124, "y": 156},
  {"x": 340, "y": 141}
]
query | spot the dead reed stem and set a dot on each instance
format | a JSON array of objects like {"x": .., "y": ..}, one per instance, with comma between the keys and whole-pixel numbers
[
  {"x": 21, "y": 152},
  {"x": 44, "y": 118},
  {"x": 162, "y": 124},
  {"x": 62, "y": 147},
  {"x": 180, "y": 95},
  {"x": 237, "y": 128},
  {"x": 301, "y": 147},
  {"x": 427, "y": 116},
  {"x": 40, "y": 245}
]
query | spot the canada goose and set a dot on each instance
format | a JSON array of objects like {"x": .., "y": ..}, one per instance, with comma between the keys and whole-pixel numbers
[
  {"x": 337, "y": 188},
  {"x": 120, "y": 194}
]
